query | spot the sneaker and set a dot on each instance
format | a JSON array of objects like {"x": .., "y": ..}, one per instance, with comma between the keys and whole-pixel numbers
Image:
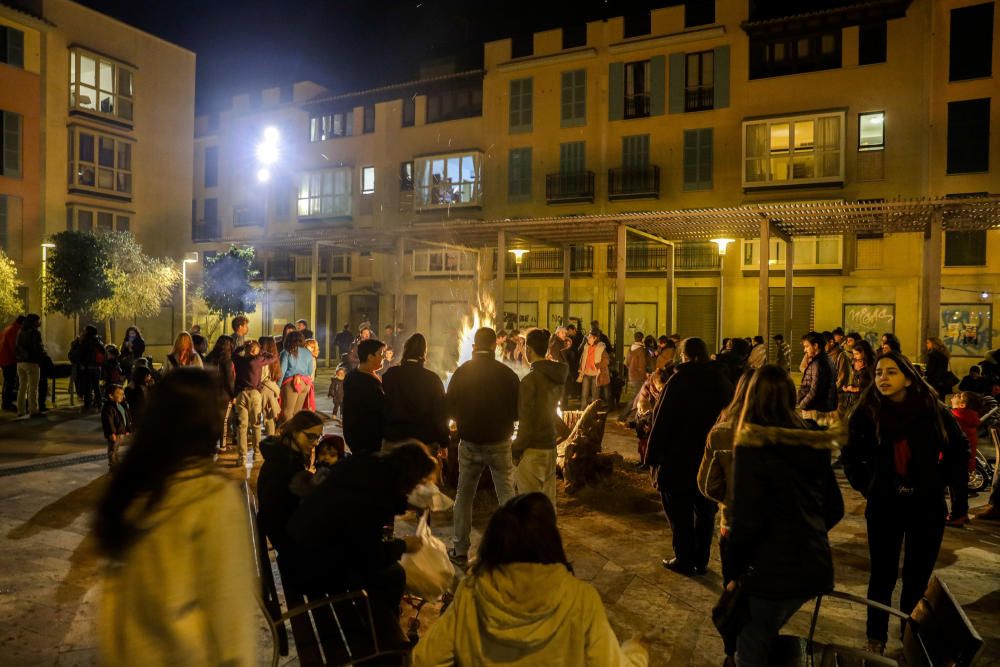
[
  {"x": 23, "y": 417},
  {"x": 988, "y": 513},
  {"x": 460, "y": 560},
  {"x": 958, "y": 521}
]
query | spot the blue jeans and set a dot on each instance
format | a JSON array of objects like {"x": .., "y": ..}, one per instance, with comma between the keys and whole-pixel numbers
[
  {"x": 753, "y": 644},
  {"x": 472, "y": 459}
]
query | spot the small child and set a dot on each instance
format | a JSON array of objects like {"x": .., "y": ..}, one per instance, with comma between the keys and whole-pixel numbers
[
  {"x": 329, "y": 450},
  {"x": 336, "y": 392},
  {"x": 965, "y": 405},
  {"x": 116, "y": 420},
  {"x": 313, "y": 346},
  {"x": 111, "y": 369}
]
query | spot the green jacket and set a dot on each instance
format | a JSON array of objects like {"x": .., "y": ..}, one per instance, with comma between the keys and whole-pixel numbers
[{"x": 536, "y": 405}]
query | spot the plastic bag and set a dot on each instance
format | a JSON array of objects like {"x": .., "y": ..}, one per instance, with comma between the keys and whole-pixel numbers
[
  {"x": 429, "y": 571},
  {"x": 429, "y": 497}
]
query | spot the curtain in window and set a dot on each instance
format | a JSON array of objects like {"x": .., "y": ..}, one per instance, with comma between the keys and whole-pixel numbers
[
  {"x": 827, "y": 146},
  {"x": 755, "y": 152}
]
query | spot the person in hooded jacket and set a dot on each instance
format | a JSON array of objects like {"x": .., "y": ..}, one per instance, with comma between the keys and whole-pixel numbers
[
  {"x": 818, "y": 390},
  {"x": 538, "y": 424},
  {"x": 785, "y": 499},
  {"x": 521, "y": 605},
  {"x": 415, "y": 407},
  {"x": 904, "y": 447},
  {"x": 688, "y": 408}
]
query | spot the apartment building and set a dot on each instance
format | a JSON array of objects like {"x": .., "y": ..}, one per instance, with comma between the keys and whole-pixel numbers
[{"x": 697, "y": 106}]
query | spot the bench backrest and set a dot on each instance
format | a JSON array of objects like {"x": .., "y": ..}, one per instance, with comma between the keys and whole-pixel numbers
[{"x": 938, "y": 632}]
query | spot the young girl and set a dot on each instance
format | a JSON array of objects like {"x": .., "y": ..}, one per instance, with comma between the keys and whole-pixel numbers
[
  {"x": 270, "y": 390},
  {"x": 313, "y": 346},
  {"x": 221, "y": 360},
  {"x": 336, "y": 392},
  {"x": 183, "y": 354},
  {"x": 903, "y": 448},
  {"x": 862, "y": 374},
  {"x": 965, "y": 406},
  {"x": 297, "y": 367}
]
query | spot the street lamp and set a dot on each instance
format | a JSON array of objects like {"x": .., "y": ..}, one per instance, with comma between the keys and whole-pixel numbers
[
  {"x": 519, "y": 254},
  {"x": 45, "y": 258},
  {"x": 721, "y": 244},
  {"x": 191, "y": 258},
  {"x": 268, "y": 152}
]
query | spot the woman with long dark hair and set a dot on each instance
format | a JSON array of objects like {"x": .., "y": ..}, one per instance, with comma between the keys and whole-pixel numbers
[
  {"x": 178, "y": 585},
  {"x": 785, "y": 499},
  {"x": 220, "y": 360},
  {"x": 521, "y": 604},
  {"x": 903, "y": 448},
  {"x": 890, "y": 343},
  {"x": 937, "y": 369},
  {"x": 297, "y": 365},
  {"x": 414, "y": 399},
  {"x": 270, "y": 387},
  {"x": 133, "y": 347},
  {"x": 862, "y": 375}
]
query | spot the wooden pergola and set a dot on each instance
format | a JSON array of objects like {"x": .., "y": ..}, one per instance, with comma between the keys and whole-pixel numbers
[{"x": 784, "y": 220}]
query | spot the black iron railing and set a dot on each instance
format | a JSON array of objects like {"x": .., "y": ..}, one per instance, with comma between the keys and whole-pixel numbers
[
  {"x": 656, "y": 257},
  {"x": 550, "y": 260},
  {"x": 632, "y": 183},
  {"x": 699, "y": 98},
  {"x": 637, "y": 105},
  {"x": 569, "y": 187},
  {"x": 205, "y": 231}
]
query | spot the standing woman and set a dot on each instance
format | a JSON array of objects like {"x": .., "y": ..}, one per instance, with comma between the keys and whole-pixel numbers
[
  {"x": 593, "y": 369},
  {"x": 270, "y": 390},
  {"x": 903, "y": 448},
  {"x": 220, "y": 359},
  {"x": 183, "y": 354},
  {"x": 938, "y": 374},
  {"x": 785, "y": 499},
  {"x": 174, "y": 533},
  {"x": 133, "y": 347},
  {"x": 890, "y": 343},
  {"x": 297, "y": 365},
  {"x": 862, "y": 375}
]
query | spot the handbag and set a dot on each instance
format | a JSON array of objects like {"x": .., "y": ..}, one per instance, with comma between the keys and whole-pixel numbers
[{"x": 729, "y": 614}]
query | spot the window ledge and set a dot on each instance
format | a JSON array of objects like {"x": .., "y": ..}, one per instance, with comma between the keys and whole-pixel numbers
[
  {"x": 657, "y": 41},
  {"x": 103, "y": 118},
  {"x": 837, "y": 182},
  {"x": 528, "y": 62},
  {"x": 441, "y": 207},
  {"x": 347, "y": 217},
  {"x": 99, "y": 193}
]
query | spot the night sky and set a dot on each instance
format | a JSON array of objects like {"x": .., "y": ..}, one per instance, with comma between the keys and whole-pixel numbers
[{"x": 346, "y": 45}]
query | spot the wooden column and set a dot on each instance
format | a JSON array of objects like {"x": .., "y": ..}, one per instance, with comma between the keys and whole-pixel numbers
[
  {"x": 329, "y": 320},
  {"x": 314, "y": 285},
  {"x": 399, "y": 298},
  {"x": 620, "y": 269},
  {"x": 265, "y": 307},
  {"x": 567, "y": 261},
  {"x": 501, "y": 268},
  {"x": 477, "y": 280},
  {"x": 931, "y": 283},
  {"x": 764, "y": 254},
  {"x": 671, "y": 290},
  {"x": 789, "y": 294}
]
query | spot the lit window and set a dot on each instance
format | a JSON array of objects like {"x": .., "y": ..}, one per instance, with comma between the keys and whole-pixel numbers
[
  {"x": 801, "y": 149},
  {"x": 443, "y": 261},
  {"x": 325, "y": 193},
  {"x": 97, "y": 220},
  {"x": 329, "y": 126},
  {"x": 871, "y": 131},
  {"x": 448, "y": 180},
  {"x": 100, "y": 162},
  {"x": 100, "y": 85},
  {"x": 367, "y": 180}
]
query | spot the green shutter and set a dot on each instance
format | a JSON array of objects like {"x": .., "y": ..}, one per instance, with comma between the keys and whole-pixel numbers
[
  {"x": 616, "y": 91},
  {"x": 11, "y": 143},
  {"x": 520, "y": 105},
  {"x": 635, "y": 152},
  {"x": 3, "y": 223},
  {"x": 698, "y": 159},
  {"x": 678, "y": 68},
  {"x": 571, "y": 157},
  {"x": 658, "y": 82},
  {"x": 721, "y": 73},
  {"x": 705, "y": 137},
  {"x": 574, "y": 98},
  {"x": 519, "y": 173}
]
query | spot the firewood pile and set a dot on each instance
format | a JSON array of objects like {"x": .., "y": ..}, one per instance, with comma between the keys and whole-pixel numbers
[{"x": 579, "y": 457}]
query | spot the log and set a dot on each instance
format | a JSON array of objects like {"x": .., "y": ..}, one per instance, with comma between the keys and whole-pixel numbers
[{"x": 579, "y": 456}]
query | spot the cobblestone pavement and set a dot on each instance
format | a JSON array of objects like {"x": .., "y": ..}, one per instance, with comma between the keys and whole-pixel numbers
[{"x": 615, "y": 537}]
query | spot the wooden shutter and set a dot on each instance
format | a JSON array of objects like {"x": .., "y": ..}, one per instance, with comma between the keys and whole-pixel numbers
[
  {"x": 520, "y": 105},
  {"x": 697, "y": 314},
  {"x": 658, "y": 82},
  {"x": 616, "y": 91},
  {"x": 698, "y": 159},
  {"x": 678, "y": 69},
  {"x": 519, "y": 173},
  {"x": 11, "y": 144},
  {"x": 721, "y": 92},
  {"x": 571, "y": 157},
  {"x": 803, "y": 316},
  {"x": 635, "y": 152}
]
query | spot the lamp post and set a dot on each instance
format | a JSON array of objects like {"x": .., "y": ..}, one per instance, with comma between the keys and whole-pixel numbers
[
  {"x": 721, "y": 244},
  {"x": 45, "y": 261},
  {"x": 189, "y": 259},
  {"x": 268, "y": 151},
  {"x": 519, "y": 254}
]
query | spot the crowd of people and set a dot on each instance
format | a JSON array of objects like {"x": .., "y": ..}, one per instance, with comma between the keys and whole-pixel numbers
[{"x": 727, "y": 434}]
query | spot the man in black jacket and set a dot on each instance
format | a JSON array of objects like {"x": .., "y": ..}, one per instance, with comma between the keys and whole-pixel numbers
[
  {"x": 691, "y": 402},
  {"x": 29, "y": 352},
  {"x": 364, "y": 400},
  {"x": 482, "y": 399},
  {"x": 818, "y": 390},
  {"x": 414, "y": 400}
]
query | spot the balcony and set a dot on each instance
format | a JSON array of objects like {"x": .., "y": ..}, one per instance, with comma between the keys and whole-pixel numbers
[
  {"x": 641, "y": 258},
  {"x": 205, "y": 230},
  {"x": 696, "y": 257},
  {"x": 248, "y": 216},
  {"x": 569, "y": 187},
  {"x": 550, "y": 261},
  {"x": 636, "y": 106},
  {"x": 699, "y": 98},
  {"x": 642, "y": 183}
]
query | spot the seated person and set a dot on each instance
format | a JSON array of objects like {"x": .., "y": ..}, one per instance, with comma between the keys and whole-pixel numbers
[
  {"x": 975, "y": 381},
  {"x": 521, "y": 604}
]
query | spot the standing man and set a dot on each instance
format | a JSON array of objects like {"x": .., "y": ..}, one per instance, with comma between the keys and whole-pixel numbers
[
  {"x": 817, "y": 393},
  {"x": 364, "y": 400},
  {"x": 302, "y": 326},
  {"x": 784, "y": 352},
  {"x": 482, "y": 399},
  {"x": 29, "y": 352},
  {"x": 240, "y": 327},
  {"x": 8, "y": 362},
  {"x": 538, "y": 396},
  {"x": 841, "y": 363},
  {"x": 343, "y": 342},
  {"x": 688, "y": 408},
  {"x": 758, "y": 355}
]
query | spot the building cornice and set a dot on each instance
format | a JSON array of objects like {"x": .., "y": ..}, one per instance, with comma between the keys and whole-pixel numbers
[
  {"x": 672, "y": 39},
  {"x": 570, "y": 55}
]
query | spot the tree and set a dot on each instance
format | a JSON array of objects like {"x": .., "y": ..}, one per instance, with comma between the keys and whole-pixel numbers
[
  {"x": 10, "y": 303},
  {"x": 76, "y": 273},
  {"x": 140, "y": 285},
  {"x": 226, "y": 285}
]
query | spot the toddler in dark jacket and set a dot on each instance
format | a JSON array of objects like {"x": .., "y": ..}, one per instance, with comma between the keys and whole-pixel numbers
[
  {"x": 116, "y": 419},
  {"x": 336, "y": 392}
]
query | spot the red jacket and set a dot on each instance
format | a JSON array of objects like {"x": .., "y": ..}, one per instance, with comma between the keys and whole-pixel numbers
[
  {"x": 8, "y": 339},
  {"x": 968, "y": 419}
]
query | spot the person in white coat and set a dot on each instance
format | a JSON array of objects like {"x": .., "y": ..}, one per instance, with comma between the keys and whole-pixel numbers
[
  {"x": 521, "y": 604},
  {"x": 178, "y": 583}
]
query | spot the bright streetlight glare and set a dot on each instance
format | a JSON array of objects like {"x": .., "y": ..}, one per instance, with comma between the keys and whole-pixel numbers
[
  {"x": 519, "y": 254},
  {"x": 722, "y": 244},
  {"x": 267, "y": 153},
  {"x": 263, "y": 175},
  {"x": 271, "y": 135}
]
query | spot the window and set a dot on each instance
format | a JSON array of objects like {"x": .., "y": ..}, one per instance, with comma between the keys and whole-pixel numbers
[
  {"x": 211, "y": 166},
  {"x": 574, "y": 36},
  {"x": 968, "y": 136},
  {"x": 443, "y": 261},
  {"x": 369, "y": 119},
  {"x": 441, "y": 181},
  {"x": 4, "y": 238},
  {"x": 409, "y": 111},
  {"x": 637, "y": 89},
  {"x": 328, "y": 126},
  {"x": 10, "y": 144},
  {"x": 100, "y": 162},
  {"x": 11, "y": 46},
  {"x": 965, "y": 248},
  {"x": 522, "y": 46},
  {"x": 699, "y": 83},
  {"x": 871, "y": 131},
  {"x": 464, "y": 102},
  {"x": 325, "y": 194},
  {"x": 96, "y": 219},
  {"x": 698, "y": 159},
  {"x": 793, "y": 150},
  {"x": 698, "y": 12},
  {"x": 572, "y": 157},
  {"x": 637, "y": 25},
  {"x": 872, "y": 43},
  {"x": 782, "y": 56},
  {"x": 367, "y": 180},
  {"x": 971, "y": 42},
  {"x": 811, "y": 252},
  {"x": 574, "y": 98},
  {"x": 406, "y": 176},
  {"x": 520, "y": 105},
  {"x": 519, "y": 174},
  {"x": 212, "y": 212},
  {"x": 99, "y": 85}
]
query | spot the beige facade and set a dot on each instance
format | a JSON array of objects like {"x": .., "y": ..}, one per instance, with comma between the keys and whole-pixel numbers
[{"x": 856, "y": 130}]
